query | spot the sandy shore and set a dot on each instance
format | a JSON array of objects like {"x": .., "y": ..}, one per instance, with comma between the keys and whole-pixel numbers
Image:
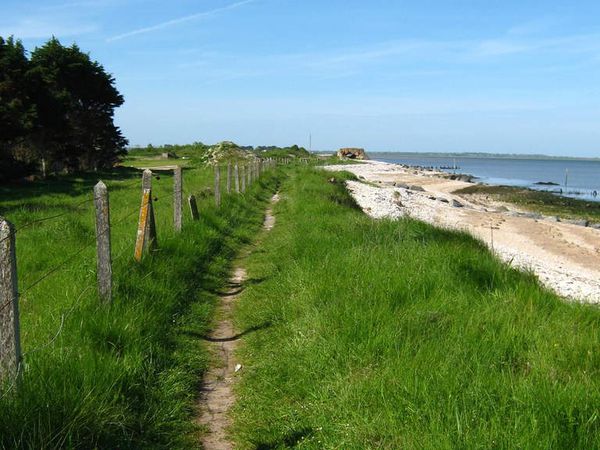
[{"x": 565, "y": 257}]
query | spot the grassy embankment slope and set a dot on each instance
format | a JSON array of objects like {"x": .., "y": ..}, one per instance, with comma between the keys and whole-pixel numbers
[
  {"x": 541, "y": 202},
  {"x": 383, "y": 334},
  {"x": 124, "y": 375}
]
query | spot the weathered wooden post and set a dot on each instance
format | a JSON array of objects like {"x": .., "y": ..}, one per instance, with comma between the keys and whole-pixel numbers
[
  {"x": 236, "y": 177},
  {"x": 103, "y": 251},
  {"x": 229, "y": 178},
  {"x": 217, "y": 186},
  {"x": 243, "y": 179},
  {"x": 10, "y": 338},
  {"x": 177, "y": 198},
  {"x": 146, "y": 233},
  {"x": 146, "y": 179},
  {"x": 193, "y": 207}
]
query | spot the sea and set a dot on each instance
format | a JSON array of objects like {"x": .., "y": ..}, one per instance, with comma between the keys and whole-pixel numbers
[{"x": 577, "y": 178}]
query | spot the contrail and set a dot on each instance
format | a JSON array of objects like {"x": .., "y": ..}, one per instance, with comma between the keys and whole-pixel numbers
[{"x": 169, "y": 23}]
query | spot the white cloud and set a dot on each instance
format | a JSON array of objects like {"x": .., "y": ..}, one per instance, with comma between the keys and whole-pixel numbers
[{"x": 178, "y": 21}]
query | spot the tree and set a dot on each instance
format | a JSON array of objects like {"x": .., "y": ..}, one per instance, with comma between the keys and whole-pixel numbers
[
  {"x": 17, "y": 109},
  {"x": 76, "y": 99}
]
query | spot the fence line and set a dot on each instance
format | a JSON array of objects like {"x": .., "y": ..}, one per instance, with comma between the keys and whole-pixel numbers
[
  {"x": 250, "y": 172},
  {"x": 56, "y": 216}
]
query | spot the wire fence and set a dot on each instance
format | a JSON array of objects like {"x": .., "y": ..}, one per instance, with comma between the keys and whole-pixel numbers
[{"x": 11, "y": 295}]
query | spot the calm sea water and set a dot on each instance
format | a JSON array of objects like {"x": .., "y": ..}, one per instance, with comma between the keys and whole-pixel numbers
[{"x": 575, "y": 178}]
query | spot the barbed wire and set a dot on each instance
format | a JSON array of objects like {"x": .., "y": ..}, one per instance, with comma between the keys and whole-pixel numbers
[
  {"x": 64, "y": 316},
  {"x": 76, "y": 206},
  {"x": 45, "y": 219},
  {"x": 14, "y": 381},
  {"x": 77, "y": 253},
  {"x": 68, "y": 259}
]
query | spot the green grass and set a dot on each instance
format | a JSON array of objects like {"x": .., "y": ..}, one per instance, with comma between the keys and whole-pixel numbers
[
  {"x": 537, "y": 201},
  {"x": 125, "y": 375},
  {"x": 397, "y": 334}
]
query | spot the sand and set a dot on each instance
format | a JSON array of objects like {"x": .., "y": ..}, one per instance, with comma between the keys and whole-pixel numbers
[{"x": 565, "y": 257}]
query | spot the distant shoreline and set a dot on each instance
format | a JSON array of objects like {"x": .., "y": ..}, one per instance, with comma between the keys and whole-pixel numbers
[
  {"x": 586, "y": 192},
  {"x": 469, "y": 155}
]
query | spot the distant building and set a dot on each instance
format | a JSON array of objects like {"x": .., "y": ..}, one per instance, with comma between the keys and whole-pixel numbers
[{"x": 352, "y": 153}]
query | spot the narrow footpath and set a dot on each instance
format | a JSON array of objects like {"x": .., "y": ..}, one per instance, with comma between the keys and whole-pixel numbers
[{"x": 217, "y": 394}]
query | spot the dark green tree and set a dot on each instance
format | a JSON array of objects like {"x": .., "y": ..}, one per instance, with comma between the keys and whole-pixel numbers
[
  {"x": 76, "y": 99},
  {"x": 17, "y": 109}
]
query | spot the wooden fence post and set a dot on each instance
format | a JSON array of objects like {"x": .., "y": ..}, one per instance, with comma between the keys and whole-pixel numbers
[
  {"x": 229, "y": 178},
  {"x": 193, "y": 207},
  {"x": 236, "y": 177},
  {"x": 177, "y": 198},
  {"x": 103, "y": 258},
  {"x": 10, "y": 336},
  {"x": 146, "y": 233},
  {"x": 243, "y": 179},
  {"x": 217, "y": 186},
  {"x": 146, "y": 179}
]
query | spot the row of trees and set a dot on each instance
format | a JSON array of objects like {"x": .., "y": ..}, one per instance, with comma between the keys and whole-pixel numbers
[{"x": 56, "y": 111}]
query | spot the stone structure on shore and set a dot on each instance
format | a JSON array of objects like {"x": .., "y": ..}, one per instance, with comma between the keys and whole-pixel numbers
[{"x": 352, "y": 153}]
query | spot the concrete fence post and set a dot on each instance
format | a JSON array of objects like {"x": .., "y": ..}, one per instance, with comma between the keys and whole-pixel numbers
[
  {"x": 217, "y": 186},
  {"x": 10, "y": 335},
  {"x": 229, "y": 178},
  {"x": 146, "y": 179},
  {"x": 177, "y": 198},
  {"x": 103, "y": 250},
  {"x": 193, "y": 207},
  {"x": 243, "y": 177},
  {"x": 146, "y": 233},
  {"x": 236, "y": 177}
]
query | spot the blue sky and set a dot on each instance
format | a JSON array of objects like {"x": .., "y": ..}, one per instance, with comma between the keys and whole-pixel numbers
[{"x": 509, "y": 77}]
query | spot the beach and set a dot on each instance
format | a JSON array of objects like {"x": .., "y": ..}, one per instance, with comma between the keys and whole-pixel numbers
[{"x": 564, "y": 256}]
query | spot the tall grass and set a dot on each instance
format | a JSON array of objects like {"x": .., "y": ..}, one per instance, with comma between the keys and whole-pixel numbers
[
  {"x": 396, "y": 334},
  {"x": 123, "y": 375}
]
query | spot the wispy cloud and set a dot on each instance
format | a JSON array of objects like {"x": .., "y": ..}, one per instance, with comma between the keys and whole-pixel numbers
[
  {"x": 405, "y": 58},
  {"x": 573, "y": 44},
  {"x": 180, "y": 20}
]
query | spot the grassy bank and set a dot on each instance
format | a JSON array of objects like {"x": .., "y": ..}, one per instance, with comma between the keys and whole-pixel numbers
[
  {"x": 537, "y": 201},
  {"x": 124, "y": 375},
  {"x": 383, "y": 334}
]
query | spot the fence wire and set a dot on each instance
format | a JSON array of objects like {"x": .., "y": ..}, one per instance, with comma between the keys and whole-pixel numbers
[
  {"x": 70, "y": 258},
  {"x": 77, "y": 206}
]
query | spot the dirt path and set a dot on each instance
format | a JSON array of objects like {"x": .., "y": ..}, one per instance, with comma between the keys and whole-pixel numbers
[
  {"x": 564, "y": 256},
  {"x": 217, "y": 396}
]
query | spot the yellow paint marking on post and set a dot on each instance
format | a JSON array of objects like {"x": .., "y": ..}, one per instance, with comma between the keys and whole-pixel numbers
[{"x": 146, "y": 232}]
